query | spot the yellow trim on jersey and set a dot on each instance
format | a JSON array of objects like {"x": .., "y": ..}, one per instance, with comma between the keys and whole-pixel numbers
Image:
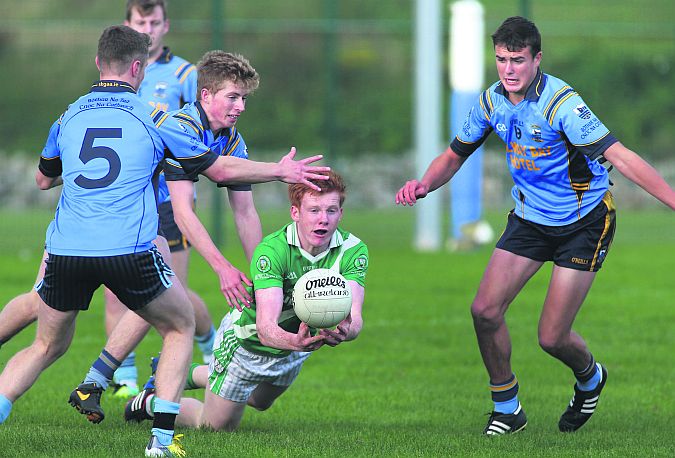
[
  {"x": 182, "y": 79},
  {"x": 560, "y": 91},
  {"x": 608, "y": 200},
  {"x": 586, "y": 144},
  {"x": 189, "y": 124},
  {"x": 233, "y": 147},
  {"x": 558, "y": 105},
  {"x": 162, "y": 119}
]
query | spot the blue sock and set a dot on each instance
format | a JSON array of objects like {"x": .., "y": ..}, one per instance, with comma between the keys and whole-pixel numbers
[
  {"x": 5, "y": 408},
  {"x": 505, "y": 395},
  {"x": 205, "y": 342},
  {"x": 595, "y": 378},
  {"x": 101, "y": 372},
  {"x": 509, "y": 406},
  {"x": 165, "y": 417},
  {"x": 164, "y": 436},
  {"x": 127, "y": 371}
]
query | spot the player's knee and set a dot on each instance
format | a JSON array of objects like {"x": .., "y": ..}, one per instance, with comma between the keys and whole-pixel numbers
[
  {"x": 551, "y": 343},
  {"x": 50, "y": 350},
  {"x": 260, "y": 405},
  {"x": 485, "y": 315}
]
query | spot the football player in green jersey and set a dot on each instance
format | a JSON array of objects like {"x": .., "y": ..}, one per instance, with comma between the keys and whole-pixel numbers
[{"x": 260, "y": 350}]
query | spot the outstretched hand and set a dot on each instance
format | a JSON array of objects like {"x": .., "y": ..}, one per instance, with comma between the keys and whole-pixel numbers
[
  {"x": 410, "y": 192},
  {"x": 300, "y": 171}
]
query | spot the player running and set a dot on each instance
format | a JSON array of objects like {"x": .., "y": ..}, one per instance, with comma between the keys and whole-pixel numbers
[{"x": 563, "y": 213}]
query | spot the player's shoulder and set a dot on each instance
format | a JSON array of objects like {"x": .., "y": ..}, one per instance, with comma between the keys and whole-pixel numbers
[
  {"x": 182, "y": 68},
  {"x": 560, "y": 100},
  {"x": 349, "y": 240},
  {"x": 277, "y": 238}
]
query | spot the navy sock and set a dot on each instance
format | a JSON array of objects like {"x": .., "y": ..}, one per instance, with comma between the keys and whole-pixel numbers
[
  {"x": 103, "y": 369},
  {"x": 505, "y": 395}
]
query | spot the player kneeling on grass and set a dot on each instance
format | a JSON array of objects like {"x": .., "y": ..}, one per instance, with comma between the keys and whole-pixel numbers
[{"x": 259, "y": 350}]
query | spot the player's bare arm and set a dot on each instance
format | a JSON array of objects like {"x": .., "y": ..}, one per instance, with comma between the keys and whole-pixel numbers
[
  {"x": 246, "y": 220},
  {"x": 234, "y": 170},
  {"x": 44, "y": 182},
  {"x": 232, "y": 281},
  {"x": 640, "y": 172},
  {"x": 268, "y": 309},
  {"x": 440, "y": 171}
]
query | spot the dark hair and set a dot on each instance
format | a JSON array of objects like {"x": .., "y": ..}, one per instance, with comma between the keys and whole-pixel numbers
[
  {"x": 334, "y": 183},
  {"x": 517, "y": 33},
  {"x": 145, "y": 7},
  {"x": 120, "y": 45},
  {"x": 217, "y": 67}
]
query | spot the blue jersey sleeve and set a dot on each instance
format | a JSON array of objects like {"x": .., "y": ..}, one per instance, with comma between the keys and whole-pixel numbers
[
  {"x": 50, "y": 160},
  {"x": 236, "y": 147},
  {"x": 186, "y": 155},
  {"x": 189, "y": 85},
  {"x": 582, "y": 128},
  {"x": 476, "y": 127}
]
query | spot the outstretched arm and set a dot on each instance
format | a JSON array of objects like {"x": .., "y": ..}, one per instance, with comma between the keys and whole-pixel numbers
[
  {"x": 440, "y": 171},
  {"x": 640, "y": 172},
  {"x": 235, "y": 170},
  {"x": 232, "y": 281}
]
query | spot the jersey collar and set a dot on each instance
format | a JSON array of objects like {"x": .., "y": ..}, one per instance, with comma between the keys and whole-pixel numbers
[
  {"x": 165, "y": 57},
  {"x": 112, "y": 86},
  {"x": 293, "y": 239},
  {"x": 533, "y": 92}
]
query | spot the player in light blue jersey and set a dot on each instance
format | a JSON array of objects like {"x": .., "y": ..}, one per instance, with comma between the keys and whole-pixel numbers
[
  {"x": 106, "y": 150},
  {"x": 170, "y": 82},
  {"x": 225, "y": 81},
  {"x": 563, "y": 212}
]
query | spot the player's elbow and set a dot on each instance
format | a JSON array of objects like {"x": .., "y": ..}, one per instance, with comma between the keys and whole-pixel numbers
[
  {"x": 264, "y": 338},
  {"x": 43, "y": 182}
]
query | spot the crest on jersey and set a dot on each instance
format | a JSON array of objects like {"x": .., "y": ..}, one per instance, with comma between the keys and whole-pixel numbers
[
  {"x": 582, "y": 111},
  {"x": 263, "y": 264},
  {"x": 160, "y": 89},
  {"x": 361, "y": 262},
  {"x": 536, "y": 133}
]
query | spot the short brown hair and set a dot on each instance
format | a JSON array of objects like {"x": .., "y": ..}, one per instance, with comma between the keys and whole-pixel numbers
[
  {"x": 217, "y": 67},
  {"x": 518, "y": 33},
  {"x": 120, "y": 45},
  {"x": 334, "y": 183},
  {"x": 145, "y": 7}
]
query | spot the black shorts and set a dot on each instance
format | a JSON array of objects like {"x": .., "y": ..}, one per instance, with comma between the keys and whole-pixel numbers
[
  {"x": 169, "y": 229},
  {"x": 582, "y": 245},
  {"x": 136, "y": 279}
]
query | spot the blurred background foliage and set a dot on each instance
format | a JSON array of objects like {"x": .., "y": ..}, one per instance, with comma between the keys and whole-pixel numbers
[{"x": 336, "y": 75}]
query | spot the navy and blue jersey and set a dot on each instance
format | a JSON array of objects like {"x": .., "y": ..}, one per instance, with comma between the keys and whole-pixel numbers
[
  {"x": 107, "y": 150},
  {"x": 169, "y": 83},
  {"x": 553, "y": 143},
  {"x": 190, "y": 123}
]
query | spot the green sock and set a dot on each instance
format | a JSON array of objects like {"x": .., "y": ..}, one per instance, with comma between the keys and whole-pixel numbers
[{"x": 190, "y": 383}]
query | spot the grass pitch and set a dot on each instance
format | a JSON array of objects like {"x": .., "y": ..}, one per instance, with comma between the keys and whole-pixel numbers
[{"x": 413, "y": 383}]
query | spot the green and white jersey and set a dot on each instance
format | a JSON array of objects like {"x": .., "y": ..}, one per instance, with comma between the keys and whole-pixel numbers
[{"x": 279, "y": 262}]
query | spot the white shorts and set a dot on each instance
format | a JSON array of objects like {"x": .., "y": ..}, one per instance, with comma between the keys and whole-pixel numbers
[{"x": 235, "y": 372}]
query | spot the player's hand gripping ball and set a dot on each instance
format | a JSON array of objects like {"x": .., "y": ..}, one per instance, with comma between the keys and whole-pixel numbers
[{"x": 322, "y": 298}]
